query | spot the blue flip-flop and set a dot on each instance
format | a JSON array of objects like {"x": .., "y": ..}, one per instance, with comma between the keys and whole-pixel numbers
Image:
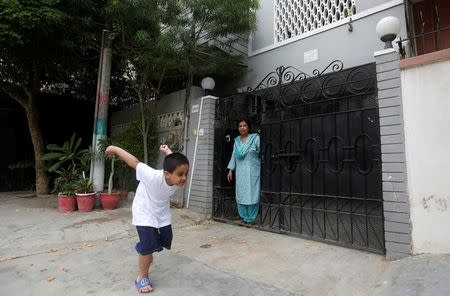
[{"x": 143, "y": 283}]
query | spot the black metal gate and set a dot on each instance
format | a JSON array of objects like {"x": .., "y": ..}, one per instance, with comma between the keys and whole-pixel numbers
[{"x": 321, "y": 166}]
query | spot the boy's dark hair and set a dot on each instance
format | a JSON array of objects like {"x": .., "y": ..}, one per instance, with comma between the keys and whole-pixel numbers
[
  {"x": 174, "y": 160},
  {"x": 247, "y": 121}
]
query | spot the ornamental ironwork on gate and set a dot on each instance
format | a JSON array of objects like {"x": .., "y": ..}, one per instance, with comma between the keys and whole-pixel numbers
[{"x": 320, "y": 154}]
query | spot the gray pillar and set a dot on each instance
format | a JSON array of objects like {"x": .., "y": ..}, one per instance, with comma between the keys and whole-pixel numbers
[
  {"x": 397, "y": 227},
  {"x": 201, "y": 186}
]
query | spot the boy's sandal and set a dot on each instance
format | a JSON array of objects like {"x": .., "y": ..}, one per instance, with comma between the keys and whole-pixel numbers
[{"x": 142, "y": 284}]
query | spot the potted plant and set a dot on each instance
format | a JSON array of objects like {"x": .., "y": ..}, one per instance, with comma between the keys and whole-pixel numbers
[
  {"x": 110, "y": 199},
  {"x": 85, "y": 194},
  {"x": 64, "y": 188},
  {"x": 66, "y": 161}
]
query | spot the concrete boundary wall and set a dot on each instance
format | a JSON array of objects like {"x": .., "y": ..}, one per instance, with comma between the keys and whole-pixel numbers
[{"x": 426, "y": 105}]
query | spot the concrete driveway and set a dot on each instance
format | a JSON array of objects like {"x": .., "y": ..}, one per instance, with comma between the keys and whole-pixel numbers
[{"x": 43, "y": 252}]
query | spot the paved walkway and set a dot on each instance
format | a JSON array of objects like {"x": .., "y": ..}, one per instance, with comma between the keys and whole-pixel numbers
[{"x": 43, "y": 252}]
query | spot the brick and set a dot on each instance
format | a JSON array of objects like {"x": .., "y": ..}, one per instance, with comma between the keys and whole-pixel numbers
[
  {"x": 390, "y": 111},
  {"x": 389, "y": 93},
  {"x": 392, "y": 139},
  {"x": 391, "y": 256},
  {"x": 394, "y": 157},
  {"x": 200, "y": 177},
  {"x": 200, "y": 201},
  {"x": 202, "y": 183},
  {"x": 387, "y": 57},
  {"x": 394, "y": 177},
  {"x": 198, "y": 190},
  {"x": 396, "y": 227},
  {"x": 391, "y": 120},
  {"x": 389, "y": 102},
  {"x": 394, "y": 196},
  {"x": 383, "y": 67},
  {"x": 394, "y": 186},
  {"x": 391, "y": 130},
  {"x": 396, "y": 217},
  {"x": 387, "y": 84},
  {"x": 393, "y": 167},
  {"x": 396, "y": 207},
  {"x": 395, "y": 73},
  {"x": 404, "y": 238},
  {"x": 398, "y": 247},
  {"x": 392, "y": 148}
]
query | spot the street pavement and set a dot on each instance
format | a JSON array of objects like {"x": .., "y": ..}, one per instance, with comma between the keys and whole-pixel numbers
[{"x": 43, "y": 252}]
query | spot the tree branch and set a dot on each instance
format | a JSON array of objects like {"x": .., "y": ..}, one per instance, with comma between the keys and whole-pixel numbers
[{"x": 20, "y": 99}]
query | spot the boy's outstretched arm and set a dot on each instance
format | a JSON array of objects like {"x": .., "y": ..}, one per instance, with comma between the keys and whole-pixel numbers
[
  {"x": 165, "y": 149},
  {"x": 127, "y": 157}
]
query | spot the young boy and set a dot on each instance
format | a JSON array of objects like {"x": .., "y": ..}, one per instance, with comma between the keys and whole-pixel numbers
[{"x": 151, "y": 205}]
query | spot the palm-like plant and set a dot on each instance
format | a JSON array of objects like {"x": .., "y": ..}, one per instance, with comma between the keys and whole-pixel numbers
[
  {"x": 83, "y": 185},
  {"x": 66, "y": 161},
  {"x": 67, "y": 156},
  {"x": 65, "y": 182}
]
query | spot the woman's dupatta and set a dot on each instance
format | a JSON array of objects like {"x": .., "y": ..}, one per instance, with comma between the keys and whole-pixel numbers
[{"x": 243, "y": 148}]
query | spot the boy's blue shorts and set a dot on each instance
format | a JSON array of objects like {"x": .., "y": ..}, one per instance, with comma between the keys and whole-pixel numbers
[{"x": 153, "y": 239}]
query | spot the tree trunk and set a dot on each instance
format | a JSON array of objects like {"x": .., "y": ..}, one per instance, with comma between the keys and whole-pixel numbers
[
  {"x": 38, "y": 145},
  {"x": 144, "y": 127}
]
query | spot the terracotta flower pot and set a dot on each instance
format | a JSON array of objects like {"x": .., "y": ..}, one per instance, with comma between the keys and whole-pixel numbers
[
  {"x": 109, "y": 201},
  {"x": 67, "y": 203},
  {"x": 85, "y": 201}
]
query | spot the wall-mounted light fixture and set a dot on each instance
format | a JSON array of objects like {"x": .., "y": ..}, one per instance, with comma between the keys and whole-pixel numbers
[
  {"x": 208, "y": 84},
  {"x": 387, "y": 30}
]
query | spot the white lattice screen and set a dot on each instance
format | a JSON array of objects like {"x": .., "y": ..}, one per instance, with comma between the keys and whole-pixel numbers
[{"x": 296, "y": 17}]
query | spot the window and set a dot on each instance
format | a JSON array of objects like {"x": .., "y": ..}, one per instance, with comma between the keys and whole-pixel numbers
[
  {"x": 431, "y": 25},
  {"x": 297, "y": 17}
]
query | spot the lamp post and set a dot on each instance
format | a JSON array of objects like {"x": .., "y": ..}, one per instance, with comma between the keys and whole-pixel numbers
[
  {"x": 387, "y": 30},
  {"x": 208, "y": 84}
]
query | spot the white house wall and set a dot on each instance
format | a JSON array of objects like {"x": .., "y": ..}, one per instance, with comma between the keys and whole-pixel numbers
[
  {"x": 426, "y": 106},
  {"x": 332, "y": 41}
]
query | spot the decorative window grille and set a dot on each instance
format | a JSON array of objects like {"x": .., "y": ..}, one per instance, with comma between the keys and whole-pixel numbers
[{"x": 297, "y": 17}]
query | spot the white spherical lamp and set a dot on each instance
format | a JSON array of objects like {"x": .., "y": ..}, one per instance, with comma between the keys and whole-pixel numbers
[
  {"x": 208, "y": 83},
  {"x": 387, "y": 29}
]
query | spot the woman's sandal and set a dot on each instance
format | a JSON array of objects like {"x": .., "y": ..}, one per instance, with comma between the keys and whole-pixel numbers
[{"x": 142, "y": 283}]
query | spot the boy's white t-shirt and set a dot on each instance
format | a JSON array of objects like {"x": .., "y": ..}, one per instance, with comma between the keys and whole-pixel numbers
[{"x": 151, "y": 204}]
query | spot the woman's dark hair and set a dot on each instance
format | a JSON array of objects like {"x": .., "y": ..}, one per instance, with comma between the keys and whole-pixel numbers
[
  {"x": 174, "y": 160},
  {"x": 247, "y": 121}
]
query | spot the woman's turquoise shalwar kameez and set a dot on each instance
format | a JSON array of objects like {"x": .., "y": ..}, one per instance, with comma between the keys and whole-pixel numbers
[{"x": 246, "y": 162}]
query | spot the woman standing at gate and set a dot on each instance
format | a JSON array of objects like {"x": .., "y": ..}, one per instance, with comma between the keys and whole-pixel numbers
[{"x": 246, "y": 162}]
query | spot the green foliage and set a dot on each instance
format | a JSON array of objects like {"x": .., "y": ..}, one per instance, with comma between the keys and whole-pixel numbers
[
  {"x": 53, "y": 44},
  {"x": 130, "y": 139},
  {"x": 66, "y": 162},
  {"x": 65, "y": 182},
  {"x": 141, "y": 45},
  {"x": 83, "y": 185},
  {"x": 69, "y": 156},
  {"x": 212, "y": 20}
]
